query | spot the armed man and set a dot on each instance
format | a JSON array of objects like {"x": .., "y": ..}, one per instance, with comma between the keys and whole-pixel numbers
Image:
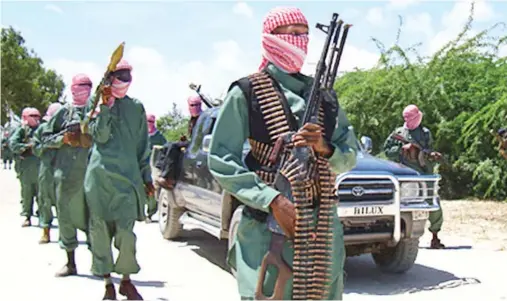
[
  {"x": 46, "y": 192},
  {"x": 411, "y": 145},
  {"x": 117, "y": 182},
  {"x": 170, "y": 155},
  {"x": 156, "y": 138},
  {"x": 70, "y": 167},
  {"x": 21, "y": 144},
  {"x": 264, "y": 109},
  {"x": 501, "y": 136},
  {"x": 6, "y": 151}
]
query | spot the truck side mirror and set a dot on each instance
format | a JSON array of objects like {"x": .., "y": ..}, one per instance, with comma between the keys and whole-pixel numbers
[
  {"x": 206, "y": 141},
  {"x": 367, "y": 143}
]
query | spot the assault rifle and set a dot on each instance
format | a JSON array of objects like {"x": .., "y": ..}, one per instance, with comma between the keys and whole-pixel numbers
[
  {"x": 423, "y": 152},
  {"x": 302, "y": 159},
  {"x": 72, "y": 127}
]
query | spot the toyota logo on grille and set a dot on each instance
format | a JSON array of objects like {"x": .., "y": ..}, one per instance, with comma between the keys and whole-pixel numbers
[{"x": 357, "y": 191}]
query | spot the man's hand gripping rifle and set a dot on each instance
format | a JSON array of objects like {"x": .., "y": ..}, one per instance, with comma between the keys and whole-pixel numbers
[
  {"x": 71, "y": 134},
  {"x": 302, "y": 160}
]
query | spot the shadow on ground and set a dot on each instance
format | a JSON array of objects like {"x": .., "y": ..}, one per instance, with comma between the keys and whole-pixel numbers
[
  {"x": 207, "y": 246},
  {"x": 363, "y": 277},
  {"x": 117, "y": 280}
]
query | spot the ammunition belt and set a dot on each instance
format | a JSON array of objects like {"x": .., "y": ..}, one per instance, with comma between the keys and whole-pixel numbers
[{"x": 312, "y": 259}]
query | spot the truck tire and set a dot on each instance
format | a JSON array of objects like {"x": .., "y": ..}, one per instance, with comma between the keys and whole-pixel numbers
[
  {"x": 169, "y": 215},
  {"x": 233, "y": 228},
  {"x": 398, "y": 259}
]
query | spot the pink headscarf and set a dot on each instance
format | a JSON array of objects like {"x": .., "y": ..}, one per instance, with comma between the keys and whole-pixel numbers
[
  {"x": 52, "y": 109},
  {"x": 286, "y": 51},
  {"x": 118, "y": 88},
  {"x": 30, "y": 117},
  {"x": 194, "y": 105},
  {"x": 152, "y": 128},
  {"x": 412, "y": 117},
  {"x": 81, "y": 89}
]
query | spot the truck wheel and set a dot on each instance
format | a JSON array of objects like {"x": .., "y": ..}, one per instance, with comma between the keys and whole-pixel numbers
[
  {"x": 233, "y": 228},
  {"x": 169, "y": 215},
  {"x": 398, "y": 259}
]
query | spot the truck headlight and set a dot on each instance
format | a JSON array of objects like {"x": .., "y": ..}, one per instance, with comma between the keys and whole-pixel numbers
[{"x": 410, "y": 190}]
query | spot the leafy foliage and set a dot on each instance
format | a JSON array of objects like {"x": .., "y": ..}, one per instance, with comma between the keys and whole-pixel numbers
[
  {"x": 173, "y": 124},
  {"x": 462, "y": 90},
  {"x": 25, "y": 81}
]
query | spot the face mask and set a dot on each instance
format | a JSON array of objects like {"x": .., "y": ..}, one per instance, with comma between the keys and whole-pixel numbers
[
  {"x": 119, "y": 88},
  {"x": 80, "y": 94},
  {"x": 286, "y": 51}
]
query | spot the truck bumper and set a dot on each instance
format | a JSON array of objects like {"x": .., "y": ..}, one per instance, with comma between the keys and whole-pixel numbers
[{"x": 416, "y": 211}]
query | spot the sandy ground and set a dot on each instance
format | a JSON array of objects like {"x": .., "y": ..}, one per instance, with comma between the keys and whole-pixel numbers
[{"x": 194, "y": 267}]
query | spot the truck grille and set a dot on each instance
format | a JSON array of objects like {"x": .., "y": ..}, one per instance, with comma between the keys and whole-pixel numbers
[{"x": 366, "y": 190}]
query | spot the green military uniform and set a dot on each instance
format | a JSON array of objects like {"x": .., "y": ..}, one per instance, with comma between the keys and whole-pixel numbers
[
  {"x": 155, "y": 139},
  {"x": 70, "y": 167},
  {"x": 393, "y": 151},
  {"x": 46, "y": 195},
  {"x": 114, "y": 184},
  {"x": 6, "y": 153},
  {"x": 225, "y": 162},
  {"x": 20, "y": 144}
]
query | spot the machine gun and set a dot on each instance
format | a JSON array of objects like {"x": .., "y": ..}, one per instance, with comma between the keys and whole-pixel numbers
[{"x": 312, "y": 244}]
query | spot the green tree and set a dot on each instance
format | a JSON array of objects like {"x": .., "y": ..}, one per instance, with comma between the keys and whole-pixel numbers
[
  {"x": 25, "y": 81},
  {"x": 462, "y": 90},
  {"x": 173, "y": 124}
]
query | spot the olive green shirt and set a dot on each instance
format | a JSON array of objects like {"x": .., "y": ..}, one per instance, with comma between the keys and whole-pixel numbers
[{"x": 232, "y": 130}]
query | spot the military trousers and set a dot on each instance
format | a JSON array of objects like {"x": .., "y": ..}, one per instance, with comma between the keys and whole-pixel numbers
[{"x": 102, "y": 233}]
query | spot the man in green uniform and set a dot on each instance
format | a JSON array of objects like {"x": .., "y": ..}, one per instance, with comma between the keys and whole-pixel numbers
[
  {"x": 156, "y": 138},
  {"x": 21, "y": 144},
  {"x": 118, "y": 179},
  {"x": 46, "y": 196},
  {"x": 6, "y": 151},
  {"x": 241, "y": 118},
  {"x": 70, "y": 168},
  {"x": 404, "y": 146}
]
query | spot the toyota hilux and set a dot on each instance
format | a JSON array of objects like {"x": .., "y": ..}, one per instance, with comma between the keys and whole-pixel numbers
[{"x": 383, "y": 205}]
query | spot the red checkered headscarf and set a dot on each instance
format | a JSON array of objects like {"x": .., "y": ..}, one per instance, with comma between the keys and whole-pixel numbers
[{"x": 286, "y": 51}]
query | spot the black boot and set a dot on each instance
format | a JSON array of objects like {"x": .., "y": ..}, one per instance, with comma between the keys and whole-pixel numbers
[
  {"x": 69, "y": 268},
  {"x": 435, "y": 242}
]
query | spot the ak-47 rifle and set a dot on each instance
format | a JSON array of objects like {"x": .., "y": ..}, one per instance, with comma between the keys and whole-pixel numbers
[
  {"x": 501, "y": 137},
  {"x": 423, "y": 152},
  {"x": 204, "y": 99},
  {"x": 312, "y": 259},
  {"x": 106, "y": 81},
  {"x": 72, "y": 127}
]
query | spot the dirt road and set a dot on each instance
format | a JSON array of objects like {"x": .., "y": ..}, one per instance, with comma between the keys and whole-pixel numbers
[{"x": 194, "y": 268}]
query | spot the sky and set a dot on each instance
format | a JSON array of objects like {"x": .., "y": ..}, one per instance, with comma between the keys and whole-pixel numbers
[{"x": 172, "y": 43}]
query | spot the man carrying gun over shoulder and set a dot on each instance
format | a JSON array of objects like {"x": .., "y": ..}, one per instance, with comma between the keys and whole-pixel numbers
[
  {"x": 21, "y": 145},
  {"x": 70, "y": 167},
  {"x": 410, "y": 145}
]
